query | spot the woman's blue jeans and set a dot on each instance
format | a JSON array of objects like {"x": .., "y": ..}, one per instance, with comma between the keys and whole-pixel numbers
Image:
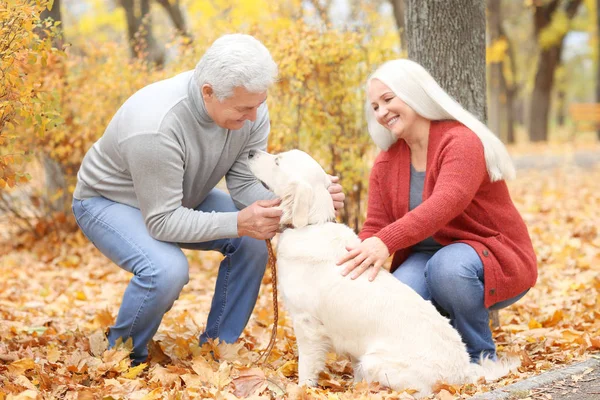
[
  {"x": 160, "y": 271},
  {"x": 452, "y": 278}
]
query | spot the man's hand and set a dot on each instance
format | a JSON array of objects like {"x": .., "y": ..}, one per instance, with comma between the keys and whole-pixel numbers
[
  {"x": 371, "y": 252},
  {"x": 260, "y": 220},
  {"x": 337, "y": 193}
]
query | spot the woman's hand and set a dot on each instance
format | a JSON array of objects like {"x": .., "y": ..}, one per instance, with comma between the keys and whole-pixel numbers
[
  {"x": 371, "y": 252},
  {"x": 337, "y": 194}
]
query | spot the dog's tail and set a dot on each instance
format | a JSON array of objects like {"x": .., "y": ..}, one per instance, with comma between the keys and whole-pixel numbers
[{"x": 493, "y": 370}]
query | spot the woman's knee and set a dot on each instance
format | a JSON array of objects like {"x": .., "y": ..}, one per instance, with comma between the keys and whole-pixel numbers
[{"x": 454, "y": 270}]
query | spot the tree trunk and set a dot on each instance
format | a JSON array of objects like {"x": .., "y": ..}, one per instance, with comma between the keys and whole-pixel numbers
[
  {"x": 497, "y": 105},
  {"x": 55, "y": 181},
  {"x": 399, "y": 16},
  {"x": 510, "y": 115},
  {"x": 139, "y": 31},
  {"x": 548, "y": 60},
  {"x": 447, "y": 37},
  {"x": 56, "y": 15},
  {"x": 173, "y": 9},
  {"x": 561, "y": 107},
  {"x": 56, "y": 184},
  {"x": 512, "y": 90}
]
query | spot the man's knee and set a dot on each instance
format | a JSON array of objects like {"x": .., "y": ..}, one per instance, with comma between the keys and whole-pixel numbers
[
  {"x": 172, "y": 274},
  {"x": 255, "y": 251}
]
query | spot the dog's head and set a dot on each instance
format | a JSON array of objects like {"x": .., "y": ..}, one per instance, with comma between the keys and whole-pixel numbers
[{"x": 299, "y": 181}]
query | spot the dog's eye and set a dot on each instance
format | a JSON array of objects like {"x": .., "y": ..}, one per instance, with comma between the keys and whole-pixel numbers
[{"x": 277, "y": 161}]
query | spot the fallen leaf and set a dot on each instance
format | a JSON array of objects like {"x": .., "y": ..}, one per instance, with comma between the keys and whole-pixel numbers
[
  {"x": 250, "y": 381},
  {"x": 98, "y": 343},
  {"x": 20, "y": 366},
  {"x": 134, "y": 371}
]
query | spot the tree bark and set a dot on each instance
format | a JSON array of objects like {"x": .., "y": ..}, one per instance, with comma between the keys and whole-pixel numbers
[
  {"x": 399, "y": 16},
  {"x": 139, "y": 31},
  {"x": 548, "y": 60},
  {"x": 447, "y": 37}
]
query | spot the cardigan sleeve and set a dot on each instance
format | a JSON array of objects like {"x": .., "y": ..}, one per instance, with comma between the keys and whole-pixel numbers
[
  {"x": 377, "y": 217},
  {"x": 462, "y": 170}
]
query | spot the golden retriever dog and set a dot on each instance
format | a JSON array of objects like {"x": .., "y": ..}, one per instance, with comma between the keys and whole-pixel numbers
[{"x": 391, "y": 334}]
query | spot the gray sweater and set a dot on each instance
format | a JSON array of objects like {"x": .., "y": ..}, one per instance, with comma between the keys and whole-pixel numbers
[{"x": 163, "y": 154}]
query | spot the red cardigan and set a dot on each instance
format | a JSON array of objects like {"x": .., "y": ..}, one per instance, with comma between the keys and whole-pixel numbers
[{"x": 460, "y": 204}]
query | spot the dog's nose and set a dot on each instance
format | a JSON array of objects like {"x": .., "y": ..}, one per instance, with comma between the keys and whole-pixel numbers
[{"x": 251, "y": 153}]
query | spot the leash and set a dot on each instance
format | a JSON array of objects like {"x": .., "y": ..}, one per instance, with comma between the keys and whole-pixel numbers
[{"x": 272, "y": 261}]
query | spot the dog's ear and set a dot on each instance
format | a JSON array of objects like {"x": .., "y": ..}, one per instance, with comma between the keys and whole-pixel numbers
[
  {"x": 295, "y": 204},
  {"x": 303, "y": 195}
]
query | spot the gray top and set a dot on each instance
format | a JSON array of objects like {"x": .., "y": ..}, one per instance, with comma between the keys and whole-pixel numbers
[
  {"x": 163, "y": 154},
  {"x": 417, "y": 180}
]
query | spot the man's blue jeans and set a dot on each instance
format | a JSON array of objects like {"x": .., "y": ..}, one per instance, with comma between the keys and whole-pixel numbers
[
  {"x": 160, "y": 271},
  {"x": 452, "y": 278}
]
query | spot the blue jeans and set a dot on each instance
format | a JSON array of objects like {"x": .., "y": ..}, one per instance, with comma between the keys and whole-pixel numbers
[
  {"x": 160, "y": 271},
  {"x": 452, "y": 278}
]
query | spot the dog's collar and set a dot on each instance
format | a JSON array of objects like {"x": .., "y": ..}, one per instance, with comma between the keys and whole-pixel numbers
[{"x": 290, "y": 226}]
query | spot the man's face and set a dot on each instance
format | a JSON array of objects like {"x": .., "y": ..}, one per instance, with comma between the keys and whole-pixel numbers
[{"x": 234, "y": 111}]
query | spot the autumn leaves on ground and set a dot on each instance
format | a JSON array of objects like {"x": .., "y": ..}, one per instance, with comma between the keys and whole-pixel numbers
[{"x": 57, "y": 297}]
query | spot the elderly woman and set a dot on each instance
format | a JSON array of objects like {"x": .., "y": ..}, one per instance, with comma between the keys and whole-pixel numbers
[
  {"x": 147, "y": 188},
  {"x": 439, "y": 203}
]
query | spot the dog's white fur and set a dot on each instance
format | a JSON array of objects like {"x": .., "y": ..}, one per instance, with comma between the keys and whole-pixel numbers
[{"x": 393, "y": 336}]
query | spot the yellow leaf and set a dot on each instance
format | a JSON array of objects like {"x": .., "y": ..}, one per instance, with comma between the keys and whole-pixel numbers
[
  {"x": 134, "y": 371},
  {"x": 20, "y": 366},
  {"x": 533, "y": 324},
  {"x": 53, "y": 354},
  {"x": 554, "y": 320}
]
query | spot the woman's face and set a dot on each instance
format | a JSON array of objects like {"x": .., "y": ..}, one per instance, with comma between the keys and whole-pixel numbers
[{"x": 391, "y": 112}]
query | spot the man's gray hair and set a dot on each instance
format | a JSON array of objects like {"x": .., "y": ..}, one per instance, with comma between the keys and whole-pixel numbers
[
  {"x": 236, "y": 60},
  {"x": 416, "y": 87}
]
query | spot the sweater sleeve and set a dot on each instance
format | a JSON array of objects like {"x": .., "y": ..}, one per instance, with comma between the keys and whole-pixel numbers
[
  {"x": 243, "y": 186},
  {"x": 377, "y": 217},
  {"x": 462, "y": 171},
  {"x": 156, "y": 164}
]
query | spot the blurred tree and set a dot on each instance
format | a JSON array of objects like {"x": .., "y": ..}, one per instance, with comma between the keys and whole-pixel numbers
[
  {"x": 55, "y": 180},
  {"x": 500, "y": 103},
  {"x": 139, "y": 27},
  {"x": 139, "y": 31},
  {"x": 24, "y": 102},
  {"x": 399, "y": 16},
  {"x": 448, "y": 39},
  {"x": 173, "y": 9},
  {"x": 55, "y": 14},
  {"x": 551, "y": 24}
]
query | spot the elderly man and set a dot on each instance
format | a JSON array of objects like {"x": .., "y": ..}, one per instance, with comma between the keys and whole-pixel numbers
[{"x": 146, "y": 189}]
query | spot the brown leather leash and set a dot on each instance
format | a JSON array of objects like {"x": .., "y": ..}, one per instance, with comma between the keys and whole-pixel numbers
[{"x": 272, "y": 261}]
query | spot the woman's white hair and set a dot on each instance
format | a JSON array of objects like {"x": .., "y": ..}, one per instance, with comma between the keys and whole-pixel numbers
[
  {"x": 417, "y": 88},
  {"x": 236, "y": 60}
]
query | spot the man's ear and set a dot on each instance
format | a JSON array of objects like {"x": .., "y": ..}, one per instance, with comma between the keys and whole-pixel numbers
[
  {"x": 303, "y": 195},
  {"x": 207, "y": 92}
]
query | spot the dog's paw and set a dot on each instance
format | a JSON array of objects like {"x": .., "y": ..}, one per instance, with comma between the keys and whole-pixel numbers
[{"x": 310, "y": 382}]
